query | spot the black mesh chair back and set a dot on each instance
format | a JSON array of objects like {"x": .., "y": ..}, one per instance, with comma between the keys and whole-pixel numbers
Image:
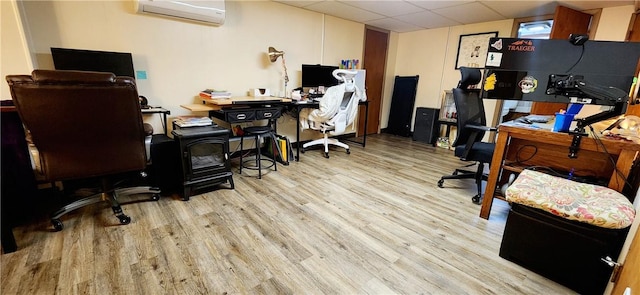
[
  {"x": 469, "y": 106},
  {"x": 471, "y": 123}
]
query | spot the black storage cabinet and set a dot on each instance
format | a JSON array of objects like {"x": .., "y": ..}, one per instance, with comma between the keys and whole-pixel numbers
[{"x": 562, "y": 250}]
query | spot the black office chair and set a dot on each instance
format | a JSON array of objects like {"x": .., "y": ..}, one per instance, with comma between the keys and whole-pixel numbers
[
  {"x": 86, "y": 126},
  {"x": 471, "y": 121}
]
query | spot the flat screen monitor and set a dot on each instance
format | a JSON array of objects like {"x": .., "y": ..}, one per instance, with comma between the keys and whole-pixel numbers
[
  {"x": 530, "y": 69},
  {"x": 119, "y": 63},
  {"x": 318, "y": 75}
]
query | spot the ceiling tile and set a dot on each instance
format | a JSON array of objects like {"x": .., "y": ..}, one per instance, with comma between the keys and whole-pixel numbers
[
  {"x": 588, "y": 4},
  {"x": 386, "y": 7},
  {"x": 342, "y": 10},
  {"x": 469, "y": 13},
  {"x": 297, "y": 3},
  {"x": 409, "y": 15},
  {"x": 393, "y": 25},
  {"x": 429, "y": 20},
  {"x": 519, "y": 9},
  {"x": 438, "y": 4}
]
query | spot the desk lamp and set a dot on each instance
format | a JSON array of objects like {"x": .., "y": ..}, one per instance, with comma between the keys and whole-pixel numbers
[{"x": 273, "y": 56}]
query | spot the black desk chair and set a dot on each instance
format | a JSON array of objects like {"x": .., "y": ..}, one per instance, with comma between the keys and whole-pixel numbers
[
  {"x": 471, "y": 121},
  {"x": 87, "y": 127}
]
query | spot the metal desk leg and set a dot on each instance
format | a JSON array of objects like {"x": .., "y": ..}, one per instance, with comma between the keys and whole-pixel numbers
[
  {"x": 298, "y": 108},
  {"x": 366, "y": 123},
  {"x": 165, "y": 123}
]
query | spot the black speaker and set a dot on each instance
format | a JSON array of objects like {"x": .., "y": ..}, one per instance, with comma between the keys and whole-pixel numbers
[
  {"x": 426, "y": 125},
  {"x": 166, "y": 168}
]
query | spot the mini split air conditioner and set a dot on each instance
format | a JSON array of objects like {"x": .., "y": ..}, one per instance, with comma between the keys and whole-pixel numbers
[{"x": 208, "y": 12}]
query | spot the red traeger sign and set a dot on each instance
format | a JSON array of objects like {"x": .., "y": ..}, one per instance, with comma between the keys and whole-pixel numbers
[{"x": 521, "y": 45}]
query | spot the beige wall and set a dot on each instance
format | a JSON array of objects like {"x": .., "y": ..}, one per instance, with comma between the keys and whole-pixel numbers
[
  {"x": 182, "y": 58},
  {"x": 431, "y": 54},
  {"x": 614, "y": 23},
  {"x": 14, "y": 52}
]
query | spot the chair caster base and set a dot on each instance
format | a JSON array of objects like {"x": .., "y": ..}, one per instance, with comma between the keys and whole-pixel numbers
[
  {"x": 326, "y": 155},
  {"x": 348, "y": 151},
  {"x": 441, "y": 183},
  {"x": 124, "y": 219},
  {"x": 155, "y": 197},
  {"x": 476, "y": 199},
  {"x": 57, "y": 224}
]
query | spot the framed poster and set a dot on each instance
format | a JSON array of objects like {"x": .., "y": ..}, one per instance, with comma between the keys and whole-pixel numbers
[{"x": 472, "y": 50}]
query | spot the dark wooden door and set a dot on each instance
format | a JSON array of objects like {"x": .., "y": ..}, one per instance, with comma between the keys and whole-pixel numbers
[
  {"x": 375, "y": 57},
  {"x": 634, "y": 36},
  {"x": 630, "y": 274},
  {"x": 634, "y": 32},
  {"x": 566, "y": 21}
]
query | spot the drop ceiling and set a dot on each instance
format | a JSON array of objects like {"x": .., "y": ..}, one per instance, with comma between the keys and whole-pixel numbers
[{"x": 411, "y": 15}]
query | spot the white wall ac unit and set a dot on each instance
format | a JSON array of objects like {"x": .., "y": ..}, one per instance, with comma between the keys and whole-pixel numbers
[{"x": 209, "y": 12}]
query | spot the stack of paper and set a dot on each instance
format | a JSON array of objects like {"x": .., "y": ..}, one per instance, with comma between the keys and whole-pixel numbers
[
  {"x": 193, "y": 121},
  {"x": 215, "y": 94}
]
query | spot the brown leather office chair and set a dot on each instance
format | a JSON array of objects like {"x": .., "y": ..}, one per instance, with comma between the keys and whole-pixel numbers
[{"x": 86, "y": 126}]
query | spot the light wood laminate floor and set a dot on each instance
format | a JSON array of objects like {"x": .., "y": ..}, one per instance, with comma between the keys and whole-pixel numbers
[{"x": 372, "y": 222}]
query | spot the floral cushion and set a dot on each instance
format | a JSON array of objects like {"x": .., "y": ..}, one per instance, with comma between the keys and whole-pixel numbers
[{"x": 592, "y": 204}]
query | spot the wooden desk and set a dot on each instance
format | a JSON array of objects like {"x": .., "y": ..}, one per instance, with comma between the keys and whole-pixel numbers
[
  {"x": 19, "y": 187},
  {"x": 242, "y": 109},
  {"x": 519, "y": 147},
  {"x": 218, "y": 104},
  {"x": 158, "y": 110}
]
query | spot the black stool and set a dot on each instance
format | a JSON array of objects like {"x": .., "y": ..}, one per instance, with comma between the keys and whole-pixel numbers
[{"x": 258, "y": 132}]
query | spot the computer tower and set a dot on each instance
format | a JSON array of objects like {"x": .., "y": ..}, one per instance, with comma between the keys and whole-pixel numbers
[
  {"x": 165, "y": 170},
  {"x": 425, "y": 128}
]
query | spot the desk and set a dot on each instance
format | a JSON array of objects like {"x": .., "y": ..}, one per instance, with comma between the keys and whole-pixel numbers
[
  {"x": 158, "y": 110},
  {"x": 19, "y": 188},
  {"x": 314, "y": 105},
  {"x": 518, "y": 147},
  {"x": 242, "y": 109},
  {"x": 246, "y": 105}
]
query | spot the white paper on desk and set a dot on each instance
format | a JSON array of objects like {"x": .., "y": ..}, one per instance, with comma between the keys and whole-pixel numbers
[
  {"x": 296, "y": 95},
  {"x": 494, "y": 59}
]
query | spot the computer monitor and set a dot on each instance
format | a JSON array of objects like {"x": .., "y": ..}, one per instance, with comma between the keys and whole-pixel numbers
[
  {"x": 318, "y": 75},
  {"x": 119, "y": 63},
  {"x": 591, "y": 72},
  {"x": 537, "y": 70}
]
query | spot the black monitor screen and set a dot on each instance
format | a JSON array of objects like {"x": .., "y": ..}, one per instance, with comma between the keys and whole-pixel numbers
[
  {"x": 119, "y": 63},
  {"x": 522, "y": 69},
  {"x": 318, "y": 75}
]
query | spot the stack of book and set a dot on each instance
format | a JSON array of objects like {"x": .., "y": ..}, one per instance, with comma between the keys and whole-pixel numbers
[
  {"x": 192, "y": 121},
  {"x": 215, "y": 94}
]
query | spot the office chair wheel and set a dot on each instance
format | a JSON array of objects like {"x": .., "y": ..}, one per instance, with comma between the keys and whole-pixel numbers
[
  {"x": 441, "y": 183},
  {"x": 124, "y": 219},
  {"x": 155, "y": 197},
  {"x": 476, "y": 199},
  {"x": 57, "y": 224},
  {"x": 326, "y": 155},
  {"x": 348, "y": 151}
]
